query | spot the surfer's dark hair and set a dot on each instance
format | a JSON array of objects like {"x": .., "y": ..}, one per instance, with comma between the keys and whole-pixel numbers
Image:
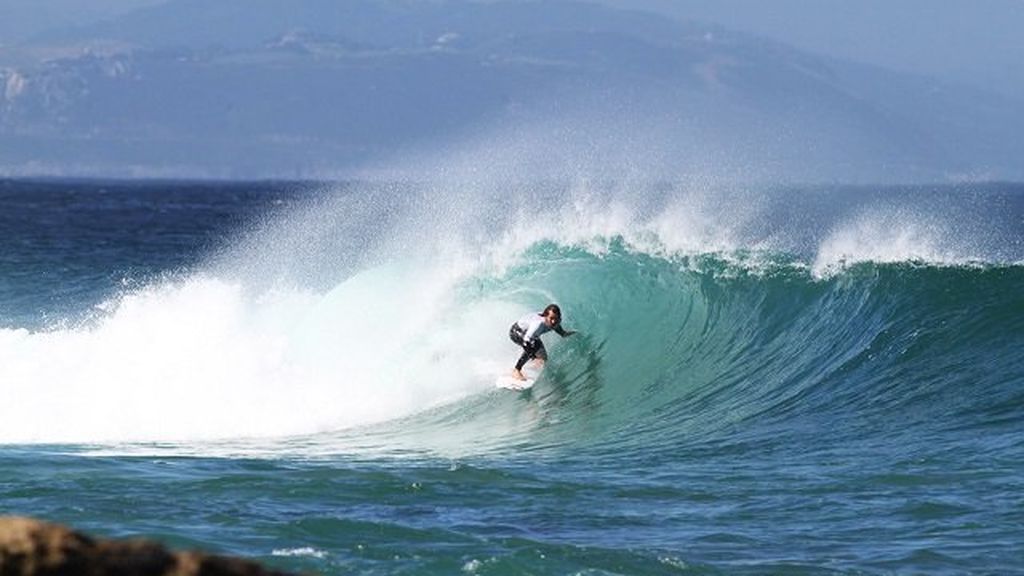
[{"x": 553, "y": 308}]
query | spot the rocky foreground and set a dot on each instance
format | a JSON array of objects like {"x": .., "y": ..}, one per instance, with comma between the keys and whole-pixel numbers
[{"x": 33, "y": 548}]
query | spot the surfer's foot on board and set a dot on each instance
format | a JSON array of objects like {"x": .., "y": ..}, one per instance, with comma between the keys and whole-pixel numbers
[{"x": 518, "y": 375}]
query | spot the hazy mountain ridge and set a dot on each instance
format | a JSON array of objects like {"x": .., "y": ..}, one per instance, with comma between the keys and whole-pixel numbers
[{"x": 325, "y": 88}]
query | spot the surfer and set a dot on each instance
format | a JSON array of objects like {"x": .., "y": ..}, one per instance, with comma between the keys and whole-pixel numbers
[{"x": 527, "y": 331}]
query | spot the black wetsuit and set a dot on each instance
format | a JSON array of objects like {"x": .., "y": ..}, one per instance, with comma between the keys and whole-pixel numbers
[
  {"x": 531, "y": 348},
  {"x": 526, "y": 333}
]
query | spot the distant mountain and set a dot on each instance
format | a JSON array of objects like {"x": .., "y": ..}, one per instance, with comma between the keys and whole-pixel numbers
[
  {"x": 321, "y": 88},
  {"x": 972, "y": 43}
]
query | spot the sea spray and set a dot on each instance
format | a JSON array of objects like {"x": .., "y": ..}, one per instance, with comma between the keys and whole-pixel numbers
[{"x": 356, "y": 306}]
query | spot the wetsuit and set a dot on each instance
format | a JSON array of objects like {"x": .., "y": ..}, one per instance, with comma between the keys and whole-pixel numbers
[{"x": 526, "y": 333}]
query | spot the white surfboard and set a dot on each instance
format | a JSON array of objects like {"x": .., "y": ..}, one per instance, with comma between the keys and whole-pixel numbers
[{"x": 510, "y": 382}]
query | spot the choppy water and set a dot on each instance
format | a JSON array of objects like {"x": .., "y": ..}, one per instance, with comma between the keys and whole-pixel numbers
[{"x": 797, "y": 381}]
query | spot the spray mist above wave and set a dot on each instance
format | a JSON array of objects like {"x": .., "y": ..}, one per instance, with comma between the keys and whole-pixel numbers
[{"x": 473, "y": 223}]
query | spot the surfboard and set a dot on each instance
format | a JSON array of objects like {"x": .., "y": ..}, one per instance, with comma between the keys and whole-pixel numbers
[
  {"x": 512, "y": 383},
  {"x": 509, "y": 382}
]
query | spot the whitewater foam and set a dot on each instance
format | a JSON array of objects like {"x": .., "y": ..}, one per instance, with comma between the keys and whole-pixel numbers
[{"x": 203, "y": 359}]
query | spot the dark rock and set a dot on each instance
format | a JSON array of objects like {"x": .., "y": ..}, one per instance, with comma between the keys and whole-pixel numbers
[{"x": 33, "y": 548}]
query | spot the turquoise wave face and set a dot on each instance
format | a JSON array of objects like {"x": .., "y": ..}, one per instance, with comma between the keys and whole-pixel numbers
[{"x": 682, "y": 352}]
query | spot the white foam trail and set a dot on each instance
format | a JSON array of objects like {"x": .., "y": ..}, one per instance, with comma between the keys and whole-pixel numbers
[{"x": 304, "y": 551}]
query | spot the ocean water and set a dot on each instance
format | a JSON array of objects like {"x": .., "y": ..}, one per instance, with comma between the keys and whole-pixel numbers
[{"x": 818, "y": 380}]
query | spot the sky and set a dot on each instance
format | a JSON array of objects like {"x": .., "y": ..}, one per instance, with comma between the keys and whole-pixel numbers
[{"x": 22, "y": 19}]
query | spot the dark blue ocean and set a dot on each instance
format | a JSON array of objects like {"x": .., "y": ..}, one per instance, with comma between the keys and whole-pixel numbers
[{"x": 766, "y": 380}]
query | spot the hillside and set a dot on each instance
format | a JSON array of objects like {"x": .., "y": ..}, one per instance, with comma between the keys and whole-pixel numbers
[{"x": 269, "y": 88}]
